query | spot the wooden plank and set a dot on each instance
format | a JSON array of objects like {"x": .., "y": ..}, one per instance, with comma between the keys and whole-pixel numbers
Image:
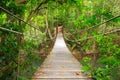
[{"x": 60, "y": 64}]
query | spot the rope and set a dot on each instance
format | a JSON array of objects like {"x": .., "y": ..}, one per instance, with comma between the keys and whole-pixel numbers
[
  {"x": 99, "y": 35},
  {"x": 16, "y": 32},
  {"x": 103, "y": 22},
  {"x": 5, "y": 10}
]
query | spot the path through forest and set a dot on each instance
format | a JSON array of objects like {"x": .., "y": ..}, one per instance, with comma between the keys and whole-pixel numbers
[{"x": 60, "y": 64}]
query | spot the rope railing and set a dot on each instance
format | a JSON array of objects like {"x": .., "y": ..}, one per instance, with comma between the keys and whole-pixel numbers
[
  {"x": 102, "y": 23},
  {"x": 114, "y": 31},
  {"x": 8, "y": 12},
  {"x": 16, "y": 32},
  {"x": 97, "y": 26},
  {"x": 91, "y": 37}
]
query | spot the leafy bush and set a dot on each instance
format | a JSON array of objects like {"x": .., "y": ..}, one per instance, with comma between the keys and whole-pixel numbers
[{"x": 107, "y": 64}]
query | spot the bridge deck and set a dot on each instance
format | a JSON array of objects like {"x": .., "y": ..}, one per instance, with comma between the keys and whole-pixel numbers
[{"x": 60, "y": 64}]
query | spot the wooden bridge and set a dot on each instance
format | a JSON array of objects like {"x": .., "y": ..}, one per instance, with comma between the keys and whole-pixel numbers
[{"x": 60, "y": 64}]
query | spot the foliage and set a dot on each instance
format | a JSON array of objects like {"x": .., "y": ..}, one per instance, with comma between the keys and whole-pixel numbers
[
  {"x": 107, "y": 64},
  {"x": 76, "y": 16},
  {"x": 10, "y": 44}
]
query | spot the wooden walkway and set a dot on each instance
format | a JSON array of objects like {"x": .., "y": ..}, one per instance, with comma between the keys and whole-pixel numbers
[{"x": 60, "y": 64}]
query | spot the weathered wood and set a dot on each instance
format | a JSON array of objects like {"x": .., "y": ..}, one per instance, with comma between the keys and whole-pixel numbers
[
  {"x": 60, "y": 64},
  {"x": 5, "y": 67}
]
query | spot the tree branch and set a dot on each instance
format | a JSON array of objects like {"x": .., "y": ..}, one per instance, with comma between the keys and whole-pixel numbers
[{"x": 35, "y": 10}]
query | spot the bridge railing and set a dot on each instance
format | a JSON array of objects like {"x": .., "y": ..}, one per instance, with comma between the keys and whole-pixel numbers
[{"x": 19, "y": 38}]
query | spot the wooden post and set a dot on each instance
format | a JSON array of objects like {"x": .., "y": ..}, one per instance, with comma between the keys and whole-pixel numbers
[
  {"x": 56, "y": 31},
  {"x": 21, "y": 52}
]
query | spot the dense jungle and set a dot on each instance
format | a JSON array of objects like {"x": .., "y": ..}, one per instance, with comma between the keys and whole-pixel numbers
[{"x": 28, "y": 32}]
